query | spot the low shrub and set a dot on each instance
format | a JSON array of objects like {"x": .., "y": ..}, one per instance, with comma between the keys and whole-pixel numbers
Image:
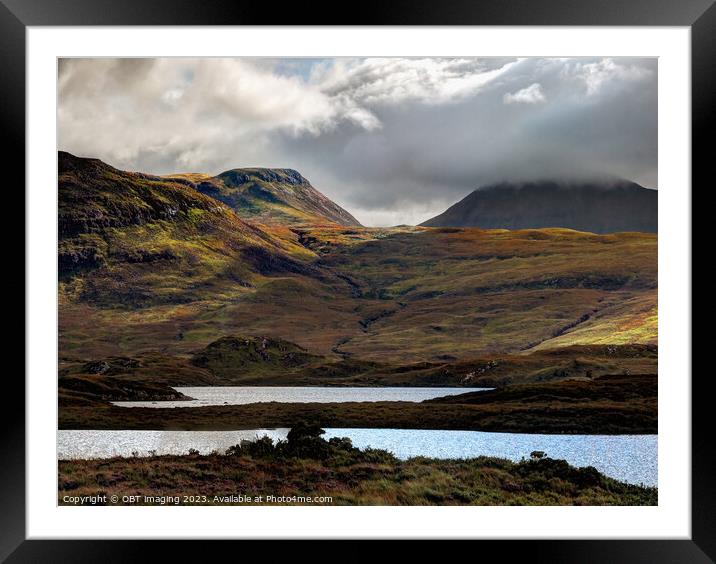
[{"x": 304, "y": 441}]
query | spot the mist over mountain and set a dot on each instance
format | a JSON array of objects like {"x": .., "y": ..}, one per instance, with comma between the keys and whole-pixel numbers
[{"x": 605, "y": 206}]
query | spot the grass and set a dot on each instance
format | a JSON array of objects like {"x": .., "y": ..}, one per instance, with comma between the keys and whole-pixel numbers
[
  {"x": 467, "y": 291},
  {"x": 150, "y": 263},
  {"x": 146, "y": 261},
  {"x": 344, "y": 475},
  {"x": 264, "y": 361},
  {"x": 404, "y": 297}
]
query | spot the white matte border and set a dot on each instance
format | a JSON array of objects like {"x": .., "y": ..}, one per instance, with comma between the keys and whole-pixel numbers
[{"x": 671, "y": 519}]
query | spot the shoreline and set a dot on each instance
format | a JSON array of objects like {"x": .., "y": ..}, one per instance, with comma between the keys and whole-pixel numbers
[
  {"x": 598, "y": 418},
  {"x": 614, "y": 405}
]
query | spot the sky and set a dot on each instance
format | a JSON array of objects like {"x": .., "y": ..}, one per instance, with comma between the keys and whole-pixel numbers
[{"x": 392, "y": 140}]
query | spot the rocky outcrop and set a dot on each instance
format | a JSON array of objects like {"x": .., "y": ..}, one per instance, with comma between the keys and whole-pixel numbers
[{"x": 240, "y": 176}]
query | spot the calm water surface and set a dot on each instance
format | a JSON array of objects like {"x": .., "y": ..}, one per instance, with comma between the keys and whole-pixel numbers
[
  {"x": 630, "y": 458},
  {"x": 238, "y": 395}
]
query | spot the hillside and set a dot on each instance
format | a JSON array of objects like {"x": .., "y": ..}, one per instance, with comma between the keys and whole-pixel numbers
[
  {"x": 150, "y": 265},
  {"x": 458, "y": 293},
  {"x": 234, "y": 360},
  {"x": 133, "y": 240},
  {"x": 271, "y": 196},
  {"x": 607, "y": 207}
]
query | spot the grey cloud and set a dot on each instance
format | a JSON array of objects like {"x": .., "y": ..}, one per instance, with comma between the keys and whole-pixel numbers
[{"x": 392, "y": 140}]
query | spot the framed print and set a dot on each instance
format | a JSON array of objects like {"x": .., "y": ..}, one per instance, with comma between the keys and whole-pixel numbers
[{"x": 425, "y": 274}]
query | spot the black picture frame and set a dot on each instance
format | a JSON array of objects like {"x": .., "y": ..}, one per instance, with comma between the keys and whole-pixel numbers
[{"x": 17, "y": 15}]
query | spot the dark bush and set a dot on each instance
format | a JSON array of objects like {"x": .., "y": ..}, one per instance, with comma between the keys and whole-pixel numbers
[
  {"x": 259, "y": 448},
  {"x": 303, "y": 430},
  {"x": 304, "y": 441}
]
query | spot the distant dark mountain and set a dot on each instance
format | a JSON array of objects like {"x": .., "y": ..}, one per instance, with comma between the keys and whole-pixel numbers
[
  {"x": 271, "y": 195},
  {"x": 606, "y": 207}
]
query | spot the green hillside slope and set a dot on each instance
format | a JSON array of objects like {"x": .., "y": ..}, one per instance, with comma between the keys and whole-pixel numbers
[
  {"x": 151, "y": 264},
  {"x": 272, "y": 196}
]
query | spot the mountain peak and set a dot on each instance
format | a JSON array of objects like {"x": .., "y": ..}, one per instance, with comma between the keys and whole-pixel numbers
[
  {"x": 267, "y": 195},
  {"x": 597, "y": 206},
  {"x": 274, "y": 195}
]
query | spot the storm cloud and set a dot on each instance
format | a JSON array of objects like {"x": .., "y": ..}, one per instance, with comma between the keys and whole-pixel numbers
[{"x": 393, "y": 140}]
